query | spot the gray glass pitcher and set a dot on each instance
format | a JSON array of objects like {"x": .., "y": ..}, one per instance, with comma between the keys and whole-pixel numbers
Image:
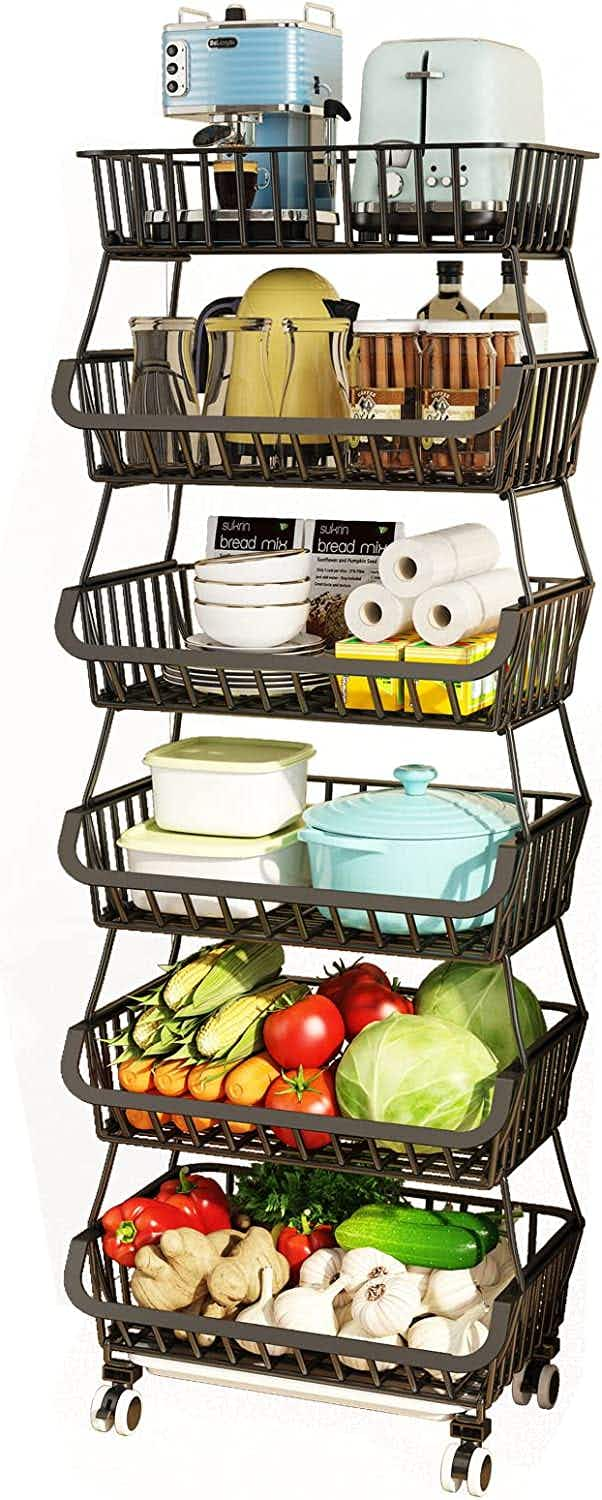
[{"x": 163, "y": 384}]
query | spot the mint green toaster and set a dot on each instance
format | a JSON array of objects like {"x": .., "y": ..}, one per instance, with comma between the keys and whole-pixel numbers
[{"x": 436, "y": 93}]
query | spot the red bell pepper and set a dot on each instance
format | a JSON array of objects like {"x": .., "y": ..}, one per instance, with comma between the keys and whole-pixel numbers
[
  {"x": 298, "y": 1244},
  {"x": 136, "y": 1222},
  {"x": 201, "y": 1201}
]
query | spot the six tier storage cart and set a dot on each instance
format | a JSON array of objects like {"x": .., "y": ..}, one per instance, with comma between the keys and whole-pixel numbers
[{"x": 130, "y": 626}]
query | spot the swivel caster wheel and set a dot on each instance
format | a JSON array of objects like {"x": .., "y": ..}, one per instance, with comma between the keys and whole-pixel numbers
[
  {"x": 116, "y": 1406},
  {"x": 460, "y": 1463},
  {"x": 102, "y": 1409},
  {"x": 479, "y": 1471},
  {"x": 548, "y": 1387},
  {"x": 450, "y": 1479},
  {"x": 520, "y": 1394}
]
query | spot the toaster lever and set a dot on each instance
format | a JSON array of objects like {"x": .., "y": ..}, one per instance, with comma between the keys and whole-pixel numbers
[{"x": 421, "y": 73}]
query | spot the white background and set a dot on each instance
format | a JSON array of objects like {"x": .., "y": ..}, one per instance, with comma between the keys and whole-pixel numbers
[{"x": 76, "y": 76}]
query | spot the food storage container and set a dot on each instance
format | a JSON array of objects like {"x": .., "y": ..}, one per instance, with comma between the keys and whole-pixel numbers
[
  {"x": 384, "y": 362},
  {"x": 279, "y": 858},
  {"x": 440, "y": 845},
  {"x": 460, "y": 368},
  {"x": 230, "y": 787}
]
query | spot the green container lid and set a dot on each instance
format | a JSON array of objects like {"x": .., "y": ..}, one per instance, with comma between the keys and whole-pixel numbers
[
  {"x": 148, "y": 838},
  {"x": 229, "y": 755}
]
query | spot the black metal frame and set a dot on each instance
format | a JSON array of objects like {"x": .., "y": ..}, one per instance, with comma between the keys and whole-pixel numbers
[
  {"x": 528, "y": 1104},
  {"x": 525, "y": 1318},
  {"x": 538, "y": 217},
  {"x": 538, "y": 416}
]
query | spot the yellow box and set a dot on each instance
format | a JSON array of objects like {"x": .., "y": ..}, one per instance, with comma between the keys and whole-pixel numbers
[
  {"x": 356, "y": 690},
  {"x": 432, "y": 695}
]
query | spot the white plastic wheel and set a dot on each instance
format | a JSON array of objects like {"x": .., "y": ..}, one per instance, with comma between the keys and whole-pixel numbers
[
  {"x": 128, "y": 1412},
  {"x": 519, "y": 1394},
  {"x": 479, "y": 1471},
  {"x": 449, "y": 1481},
  {"x": 548, "y": 1386},
  {"x": 100, "y": 1423}
]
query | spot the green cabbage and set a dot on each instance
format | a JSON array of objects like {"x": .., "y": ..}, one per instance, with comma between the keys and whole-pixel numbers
[
  {"x": 475, "y": 997},
  {"x": 416, "y": 1070}
]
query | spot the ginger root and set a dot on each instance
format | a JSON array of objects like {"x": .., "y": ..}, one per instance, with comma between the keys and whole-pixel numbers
[
  {"x": 235, "y": 1278},
  {"x": 173, "y": 1274}
]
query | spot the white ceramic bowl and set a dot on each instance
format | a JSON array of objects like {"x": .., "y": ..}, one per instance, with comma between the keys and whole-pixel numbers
[
  {"x": 250, "y": 627},
  {"x": 252, "y": 593},
  {"x": 255, "y": 567}
]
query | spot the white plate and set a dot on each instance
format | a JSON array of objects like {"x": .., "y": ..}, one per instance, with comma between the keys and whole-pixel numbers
[{"x": 303, "y": 642}]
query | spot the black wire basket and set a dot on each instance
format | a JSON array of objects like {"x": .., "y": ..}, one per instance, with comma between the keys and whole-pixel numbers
[
  {"x": 527, "y": 1106},
  {"x": 161, "y": 203},
  {"x": 525, "y": 1319},
  {"x": 132, "y": 628},
  {"x": 529, "y": 437},
  {"x": 530, "y": 890}
]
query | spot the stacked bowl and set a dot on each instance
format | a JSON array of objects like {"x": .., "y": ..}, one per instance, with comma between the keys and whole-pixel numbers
[{"x": 253, "y": 601}]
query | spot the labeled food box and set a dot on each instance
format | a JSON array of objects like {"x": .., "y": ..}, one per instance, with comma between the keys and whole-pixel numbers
[
  {"x": 356, "y": 690},
  {"x": 433, "y": 696}
]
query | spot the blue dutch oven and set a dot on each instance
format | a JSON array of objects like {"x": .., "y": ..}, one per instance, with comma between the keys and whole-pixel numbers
[{"x": 411, "y": 841}]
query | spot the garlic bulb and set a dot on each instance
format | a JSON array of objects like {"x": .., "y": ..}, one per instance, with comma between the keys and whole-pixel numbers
[
  {"x": 387, "y": 1306},
  {"x": 321, "y": 1268},
  {"x": 422, "y": 1275},
  {"x": 449, "y": 1336},
  {"x": 261, "y": 1311},
  {"x": 353, "y": 1330},
  {"x": 451, "y": 1293},
  {"x": 495, "y": 1272},
  {"x": 342, "y": 1305},
  {"x": 307, "y": 1309},
  {"x": 365, "y": 1264}
]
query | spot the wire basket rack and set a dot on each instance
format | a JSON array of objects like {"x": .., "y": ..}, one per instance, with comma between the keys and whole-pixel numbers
[
  {"x": 162, "y": 203},
  {"x": 131, "y": 628},
  {"x": 528, "y": 438},
  {"x": 530, "y": 890},
  {"x": 527, "y": 1105},
  {"x": 525, "y": 1317}
]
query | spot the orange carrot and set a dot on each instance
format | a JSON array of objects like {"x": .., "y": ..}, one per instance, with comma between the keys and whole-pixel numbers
[
  {"x": 206, "y": 1081},
  {"x": 135, "y": 1075},
  {"x": 249, "y": 1082},
  {"x": 171, "y": 1077}
]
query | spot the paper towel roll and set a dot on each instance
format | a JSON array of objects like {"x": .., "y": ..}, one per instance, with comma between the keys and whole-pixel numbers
[
  {"x": 409, "y": 566},
  {"x": 373, "y": 614},
  {"x": 469, "y": 606}
]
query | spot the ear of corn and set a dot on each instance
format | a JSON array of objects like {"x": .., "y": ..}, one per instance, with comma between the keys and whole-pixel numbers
[
  {"x": 240, "y": 1021},
  {"x": 221, "y": 974}
]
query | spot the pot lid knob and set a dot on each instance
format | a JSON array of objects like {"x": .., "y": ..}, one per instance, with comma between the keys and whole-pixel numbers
[{"x": 415, "y": 779}]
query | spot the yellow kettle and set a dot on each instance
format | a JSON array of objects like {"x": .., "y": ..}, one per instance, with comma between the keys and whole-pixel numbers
[{"x": 301, "y": 379}]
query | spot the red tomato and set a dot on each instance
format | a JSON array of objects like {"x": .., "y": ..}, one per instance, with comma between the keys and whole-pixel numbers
[
  {"x": 307, "y": 1033},
  {"x": 365, "y": 1001},
  {"x": 306, "y": 1094},
  {"x": 336, "y": 983}
]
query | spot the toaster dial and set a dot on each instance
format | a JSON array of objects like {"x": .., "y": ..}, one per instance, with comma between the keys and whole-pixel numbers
[{"x": 175, "y": 69}]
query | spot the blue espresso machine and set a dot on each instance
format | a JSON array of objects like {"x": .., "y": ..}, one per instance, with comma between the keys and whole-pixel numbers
[{"x": 262, "y": 85}]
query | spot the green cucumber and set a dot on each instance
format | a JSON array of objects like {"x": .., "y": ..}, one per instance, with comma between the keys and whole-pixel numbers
[
  {"x": 446, "y": 1241},
  {"x": 485, "y": 1226}
]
